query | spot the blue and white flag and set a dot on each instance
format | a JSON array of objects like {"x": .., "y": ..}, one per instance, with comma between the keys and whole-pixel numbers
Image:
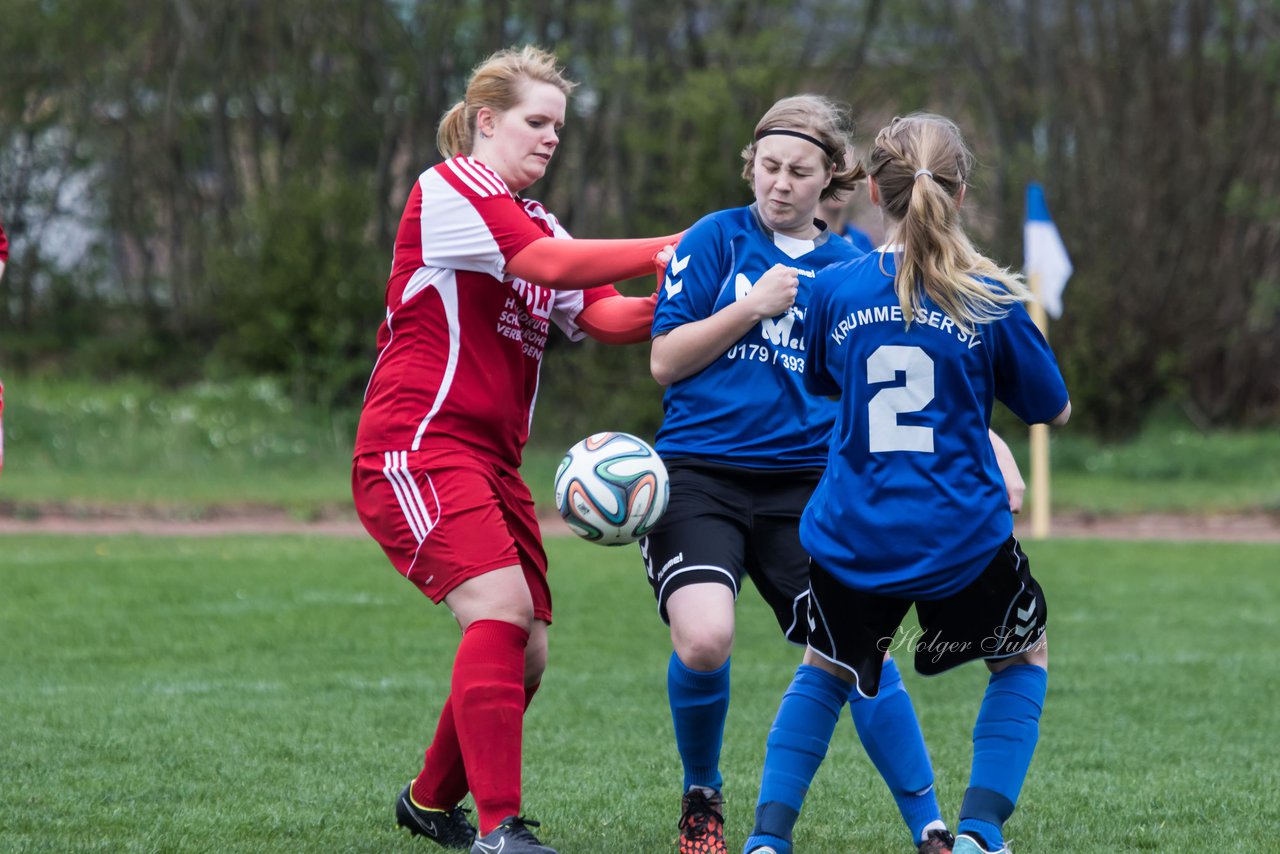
[{"x": 1045, "y": 257}]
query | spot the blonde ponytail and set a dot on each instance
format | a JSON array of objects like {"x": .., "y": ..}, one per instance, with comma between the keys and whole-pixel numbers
[
  {"x": 920, "y": 164},
  {"x": 495, "y": 83},
  {"x": 454, "y": 134}
]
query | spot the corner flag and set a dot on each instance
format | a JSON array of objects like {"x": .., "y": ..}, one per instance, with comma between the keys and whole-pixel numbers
[{"x": 1045, "y": 257}]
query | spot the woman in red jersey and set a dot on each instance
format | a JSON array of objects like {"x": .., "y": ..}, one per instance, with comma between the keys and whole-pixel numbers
[{"x": 479, "y": 274}]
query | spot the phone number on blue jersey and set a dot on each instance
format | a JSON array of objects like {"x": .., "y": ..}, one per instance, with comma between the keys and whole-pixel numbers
[{"x": 766, "y": 355}]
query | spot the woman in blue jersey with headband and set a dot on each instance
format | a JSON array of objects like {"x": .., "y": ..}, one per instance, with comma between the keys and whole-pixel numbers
[
  {"x": 917, "y": 340},
  {"x": 746, "y": 444}
]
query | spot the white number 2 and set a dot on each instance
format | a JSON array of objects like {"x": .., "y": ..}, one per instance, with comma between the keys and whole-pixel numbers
[{"x": 886, "y": 434}]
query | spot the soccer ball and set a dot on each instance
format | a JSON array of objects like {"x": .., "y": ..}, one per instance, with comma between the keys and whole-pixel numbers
[{"x": 611, "y": 488}]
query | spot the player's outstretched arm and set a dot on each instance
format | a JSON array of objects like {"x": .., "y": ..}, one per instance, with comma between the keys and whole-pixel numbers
[
  {"x": 619, "y": 319},
  {"x": 569, "y": 265},
  {"x": 625, "y": 320}
]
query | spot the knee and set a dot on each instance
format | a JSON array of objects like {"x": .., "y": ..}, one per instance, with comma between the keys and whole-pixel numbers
[
  {"x": 516, "y": 610},
  {"x": 703, "y": 647},
  {"x": 500, "y": 595},
  {"x": 702, "y": 622}
]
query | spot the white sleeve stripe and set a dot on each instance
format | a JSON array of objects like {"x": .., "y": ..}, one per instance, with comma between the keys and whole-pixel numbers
[
  {"x": 396, "y": 479},
  {"x": 478, "y": 175},
  {"x": 479, "y": 191},
  {"x": 488, "y": 175}
]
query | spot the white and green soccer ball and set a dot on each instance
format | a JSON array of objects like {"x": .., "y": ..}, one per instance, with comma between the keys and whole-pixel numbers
[{"x": 611, "y": 488}]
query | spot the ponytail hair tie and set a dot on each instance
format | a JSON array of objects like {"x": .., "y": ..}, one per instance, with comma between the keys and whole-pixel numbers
[{"x": 920, "y": 172}]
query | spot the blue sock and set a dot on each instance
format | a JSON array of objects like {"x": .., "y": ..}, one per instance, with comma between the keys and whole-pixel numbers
[
  {"x": 795, "y": 748},
  {"x": 1004, "y": 738},
  {"x": 891, "y": 735},
  {"x": 699, "y": 704}
]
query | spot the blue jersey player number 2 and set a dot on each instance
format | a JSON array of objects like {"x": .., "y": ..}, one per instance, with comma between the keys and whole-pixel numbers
[{"x": 916, "y": 341}]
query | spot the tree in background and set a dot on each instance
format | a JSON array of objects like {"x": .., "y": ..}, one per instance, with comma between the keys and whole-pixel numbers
[
  {"x": 1153, "y": 123},
  {"x": 199, "y": 179}
]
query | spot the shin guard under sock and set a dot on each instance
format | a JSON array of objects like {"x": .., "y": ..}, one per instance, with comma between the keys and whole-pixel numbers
[
  {"x": 796, "y": 746},
  {"x": 443, "y": 779},
  {"x": 1004, "y": 739},
  {"x": 890, "y": 733},
  {"x": 442, "y": 782},
  {"x": 488, "y": 698},
  {"x": 699, "y": 704}
]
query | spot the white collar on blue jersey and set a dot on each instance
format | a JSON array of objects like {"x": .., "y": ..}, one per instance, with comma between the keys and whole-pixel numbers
[{"x": 791, "y": 246}]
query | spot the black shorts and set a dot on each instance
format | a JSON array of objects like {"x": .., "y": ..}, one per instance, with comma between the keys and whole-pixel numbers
[
  {"x": 725, "y": 521},
  {"x": 1001, "y": 614}
]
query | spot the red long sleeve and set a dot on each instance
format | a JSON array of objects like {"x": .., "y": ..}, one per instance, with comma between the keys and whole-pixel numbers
[
  {"x": 575, "y": 264},
  {"x": 619, "y": 320}
]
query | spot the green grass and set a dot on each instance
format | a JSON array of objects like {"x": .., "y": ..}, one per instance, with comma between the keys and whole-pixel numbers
[
  {"x": 245, "y": 443},
  {"x": 1169, "y": 467},
  {"x": 209, "y": 445},
  {"x": 260, "y": 694}
]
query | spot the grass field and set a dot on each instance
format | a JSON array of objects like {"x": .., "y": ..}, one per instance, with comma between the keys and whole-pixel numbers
[
  {"x": 204, "y": 446},
  {"x": 262, "y": 694}
]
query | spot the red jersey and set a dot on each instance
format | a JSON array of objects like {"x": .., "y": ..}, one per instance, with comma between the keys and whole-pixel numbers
[
  {"x": 4, "y": 245},
  {"x": 461, "y": 346}
]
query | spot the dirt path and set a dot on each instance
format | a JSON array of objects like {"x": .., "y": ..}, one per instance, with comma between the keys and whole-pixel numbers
[
  {"x": 1242, "y": 528},
  {"x": 1253, "y": 527}
]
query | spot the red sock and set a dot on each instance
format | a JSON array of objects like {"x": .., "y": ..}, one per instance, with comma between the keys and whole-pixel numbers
[
  {"x": 442, "y": 783},
  {"x": 443, "y": 780},
  {"x": 488, "y": 711}
]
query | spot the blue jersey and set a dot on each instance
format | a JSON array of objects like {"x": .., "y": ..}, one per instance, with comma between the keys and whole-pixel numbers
[
  {"x": 748, "y": 407},
  {"x": 859, "y": 238},
  {"x": 912, "y": 503}
]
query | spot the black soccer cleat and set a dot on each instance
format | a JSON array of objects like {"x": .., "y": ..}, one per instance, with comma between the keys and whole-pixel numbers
[
  {"x": 511, "y": 836},
  {"x": 449, "y": 828},
  {"x": 937, "y": 842}
]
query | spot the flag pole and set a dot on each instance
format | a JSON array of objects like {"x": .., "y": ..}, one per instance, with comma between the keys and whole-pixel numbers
[{"x": 1039, "y": 433}]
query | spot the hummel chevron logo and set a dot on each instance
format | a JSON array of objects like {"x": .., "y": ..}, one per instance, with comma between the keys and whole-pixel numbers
[
  {"x": 673, "y": 288},
  {"x": 1024, "y": 619}
]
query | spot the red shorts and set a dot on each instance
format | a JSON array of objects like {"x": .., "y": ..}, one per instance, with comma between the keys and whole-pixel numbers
[{"x": 443, "y": 517}]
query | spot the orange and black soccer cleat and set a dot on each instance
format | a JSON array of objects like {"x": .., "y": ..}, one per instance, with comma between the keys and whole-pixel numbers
[{"x": 702, "y": 823}]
